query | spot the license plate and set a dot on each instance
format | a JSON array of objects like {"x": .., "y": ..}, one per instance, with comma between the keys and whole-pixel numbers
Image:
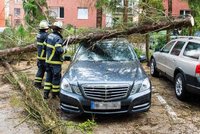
[{"x": 105, "y": 105}]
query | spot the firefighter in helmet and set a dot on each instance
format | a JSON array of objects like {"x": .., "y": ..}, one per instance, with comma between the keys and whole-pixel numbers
[
  {"x": 54, "y": 52},
  {"x": 41, "y": 53}
]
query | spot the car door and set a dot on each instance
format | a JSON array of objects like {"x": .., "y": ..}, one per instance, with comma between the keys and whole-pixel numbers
[
  {"x": 161, "y": 57},
  {"x": 173, "y": 57}
]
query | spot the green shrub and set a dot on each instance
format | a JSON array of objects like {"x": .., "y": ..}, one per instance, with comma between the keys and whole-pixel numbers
[
  {"x": 138, "y": 51},
  {"x": 19, "y": 36}
]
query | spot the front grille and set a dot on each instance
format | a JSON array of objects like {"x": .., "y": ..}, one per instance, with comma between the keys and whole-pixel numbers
[{"x": 105, "y": 92}]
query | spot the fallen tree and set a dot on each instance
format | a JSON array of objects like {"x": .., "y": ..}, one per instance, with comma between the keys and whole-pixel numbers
[
  {"x": 43, "y": 111},
  {"x": 94, "y": 36}
]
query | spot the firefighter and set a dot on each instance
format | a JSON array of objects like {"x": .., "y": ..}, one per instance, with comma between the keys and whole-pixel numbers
[
  {"x": 54, "y": 52},
  {"x": 41, "y": 53}
]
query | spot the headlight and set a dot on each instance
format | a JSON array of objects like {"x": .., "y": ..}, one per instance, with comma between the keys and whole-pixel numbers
[
  {"x": 76, "y": 89},
  {"x": 65, "y": 85},
  {"x": 140, "y": 86}
]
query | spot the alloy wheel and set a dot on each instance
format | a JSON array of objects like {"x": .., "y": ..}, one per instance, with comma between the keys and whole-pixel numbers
[
  {"x": 152, "y": 68},
  {"x": 179, "y": 86}
]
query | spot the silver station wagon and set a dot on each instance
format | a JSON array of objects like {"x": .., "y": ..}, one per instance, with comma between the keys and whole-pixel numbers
[
  {"x": 179, "y": 60},
  {"x": 105, "y": 77}
]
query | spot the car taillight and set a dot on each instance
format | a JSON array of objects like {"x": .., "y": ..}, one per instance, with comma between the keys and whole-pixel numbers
[{"x": 197, "y": 71}]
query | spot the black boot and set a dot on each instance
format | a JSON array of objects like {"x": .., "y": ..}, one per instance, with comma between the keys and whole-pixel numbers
[
  {"x": 54, "y": 94},
  {"x": 46, "y": 95},
  {"x": 38, "y": 85}
]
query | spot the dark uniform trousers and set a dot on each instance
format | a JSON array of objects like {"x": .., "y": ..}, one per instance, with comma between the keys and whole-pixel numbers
[
  {"x": 53, "y": 76},
  {"x": 40, "y": 73}
]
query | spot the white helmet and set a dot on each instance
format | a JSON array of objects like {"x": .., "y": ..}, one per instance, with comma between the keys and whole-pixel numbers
[
  {"x": 44, "y": 24},
  {"x": 57, "y": 24}
]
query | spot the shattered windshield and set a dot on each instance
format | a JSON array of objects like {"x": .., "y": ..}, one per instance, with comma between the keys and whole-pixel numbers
[{"x": 106, "y": 51}]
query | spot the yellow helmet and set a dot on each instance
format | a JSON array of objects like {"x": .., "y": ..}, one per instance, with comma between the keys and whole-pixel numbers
[
  {"x": 57, "y": 24},
  {"x": 44, "y": 24}
]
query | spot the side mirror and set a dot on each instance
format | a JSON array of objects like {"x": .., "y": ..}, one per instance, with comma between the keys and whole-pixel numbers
[
  {"x": 142, "y": 58},
  {"x": 67, "y": 58}
]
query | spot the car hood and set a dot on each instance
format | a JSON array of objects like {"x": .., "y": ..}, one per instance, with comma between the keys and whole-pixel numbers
[{"x": 104, "y": 72}]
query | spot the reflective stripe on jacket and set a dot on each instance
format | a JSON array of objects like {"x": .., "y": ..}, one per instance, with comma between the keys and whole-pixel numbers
[
  {"x": 54, "y": 48},
  {"x": 41, "y": 52}
]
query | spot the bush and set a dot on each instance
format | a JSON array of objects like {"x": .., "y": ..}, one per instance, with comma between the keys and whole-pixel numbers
[
  {"x": 12, "y": 37},
  {"x": 138, "y": 52}
]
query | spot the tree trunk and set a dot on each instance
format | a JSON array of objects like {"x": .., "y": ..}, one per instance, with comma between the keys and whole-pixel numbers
[
  {"x": 99, "y": 18},
  {"x": 170, "y": 16},
  {"x": 125, "y": 13},
  {"x": 107, "y": 34},
  {"x": 147, "y": 48},
  {"x": 17, "y": 50}
]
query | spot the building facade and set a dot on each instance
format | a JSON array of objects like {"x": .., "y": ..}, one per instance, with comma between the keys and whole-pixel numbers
[
  {"x": 179, "y": 7},
  {"x": 16, "y": 12},
  {"x": 79, "y": 13},
  {"x": 83, "y": 13},
  {"x": 2, "y": 14}
]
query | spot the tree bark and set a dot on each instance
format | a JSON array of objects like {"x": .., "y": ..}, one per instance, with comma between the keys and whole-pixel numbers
[
  {"x": 147, "y": 49},
  {"x": 170, "y": 16},
  {"x": 106, "y": 35},
  {"x": 17, "y": 50},
  {"x": 125, "y": 13},
  {"x": 99, "y": 18}
]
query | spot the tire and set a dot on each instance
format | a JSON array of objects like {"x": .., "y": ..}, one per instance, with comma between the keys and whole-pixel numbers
[
  {"x": 179, "y": 86},
  {"x": 154, "y": 72}
]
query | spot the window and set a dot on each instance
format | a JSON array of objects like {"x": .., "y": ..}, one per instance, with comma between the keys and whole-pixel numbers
[
  {"x": 82, "y": 13},
  {"x": 120, "y": 3},
  {"x": 17, "y": 1},
  {"x": 130, "y": 4},
  {"x": 192, "y": 50},
  {"x": 17, "y": 12},
  {"x": 177, "y": 48},
  {"x": 57, "y": 12},
  {"x": 168, "y": 47},
  {"x": 184, "y": 12}
]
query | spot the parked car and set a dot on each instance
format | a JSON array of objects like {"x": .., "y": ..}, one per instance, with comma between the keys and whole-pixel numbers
[
  {"x": 179, "y": 60},
  {"x": 105, "y": 77}
]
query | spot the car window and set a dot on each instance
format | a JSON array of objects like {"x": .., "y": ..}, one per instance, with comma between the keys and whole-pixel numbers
[
  {"x": 177, "y": 48},
  {"x": 168, "y": 47},
  {"x": 106, "y": 51},
  {"x": 192, "y": 50}
]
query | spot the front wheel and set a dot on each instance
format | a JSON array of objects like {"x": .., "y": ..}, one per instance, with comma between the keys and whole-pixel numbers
[
  {"x": 180, "y": 90},
  {"x": 154, "y": 72}
]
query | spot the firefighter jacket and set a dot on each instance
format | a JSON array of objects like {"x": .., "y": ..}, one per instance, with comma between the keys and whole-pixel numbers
[
  {"x": 41, "y": 37},
  {"x": 54, "y": 48}
]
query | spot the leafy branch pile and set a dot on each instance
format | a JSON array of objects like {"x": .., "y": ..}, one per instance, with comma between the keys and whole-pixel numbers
[{"x": 39, "y": 109}]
